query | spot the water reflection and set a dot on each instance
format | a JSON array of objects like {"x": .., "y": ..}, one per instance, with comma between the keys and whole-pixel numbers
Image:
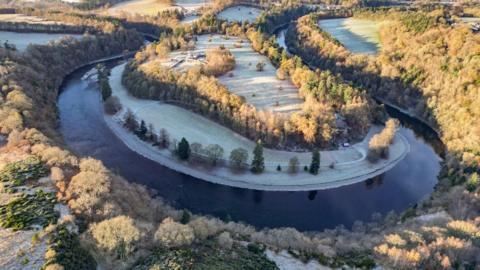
[{"x": 374, "y": 182}]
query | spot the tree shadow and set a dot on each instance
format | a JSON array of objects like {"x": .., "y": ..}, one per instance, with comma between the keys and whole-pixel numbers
[{"x": 394, "y": 91}]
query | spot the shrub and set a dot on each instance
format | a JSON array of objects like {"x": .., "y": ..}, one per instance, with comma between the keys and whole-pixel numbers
[
  {"x": 204, "y": 227},
  {"x": 214, "y": 152},
  {"x": 255, "y": 248},
  {"x": 162, "y": 258},
  {"x": 472, "y": 182},
  {"x": 185, "y": 217},
  {"x": 173, "y": 234},
  {"x": 54, "y": 156},
  {"x": 260, "y": 66},
  {"x": 88, "y": 187},
  {"x": 65, "y": 251},
  {"x": 35, "y": 238},
  {"x": 10, "y": 120},
  {"x": 293, "y": 165},
  {"x": 219, "y": 61},
  {"x": 28, "y": 210},
  {"x": 130, "y": 121},
  {"x": 238, "y": 158},
  {"x": 57, "y": 174},
  {"x": 117, "y": 236},
  {"x": 54, "y": 267},
  {"x": 196, "y": 150},
  {"x": 224, "y": 240},
  {"x": 112, "y": 105},
  {"x": 204, "y": 257},
  {"x": 16, "y": 173}
]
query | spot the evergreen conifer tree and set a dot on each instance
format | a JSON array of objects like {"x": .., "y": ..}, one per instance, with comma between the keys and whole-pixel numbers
[
  {"x": 315, "y": 165},
  {"x": 258, "y": 164},
  {"x": 183, "y": 149}
]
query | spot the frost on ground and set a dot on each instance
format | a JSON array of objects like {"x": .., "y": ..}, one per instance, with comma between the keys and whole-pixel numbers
[
  {"x": 357, "y": 35},
  {"x": 142, "y": 7},
  {"x": 18, "y": 251},
  {"x": 367, "y": 29},
  {"x": 470, "y": 20},
  {"x": 192, "y": 5},
  {"x": 22, "y": 40},
  {"x": 351, "y": 165},
  {"x": 153, "y": 7},
  {"x": 285, "y": 261},
  {"x": 261, "y": 89},
  {"x": 240, "y": 14},
  {"x": 180, "y": 123},
  {"x": 21, "y": 18}
]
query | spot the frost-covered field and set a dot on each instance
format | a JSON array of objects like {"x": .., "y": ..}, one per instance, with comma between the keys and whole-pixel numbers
[
  {"x": 18, "y": 250},
  {"x": 240, "y": 14},
  {"x": 153, "y": 7},
  {"x": 351, "y": 165},
  {"x": 22, "y": 40},
  {"x": 357, "y": 35},
  {"x": 21, "y": 18},
  {"x": 367, "y": 29},
  {"x": 261, "y": 89},
  {"x": 191, "y": 5},
  {"x": 470, "y": 19},
  {"x": 143, "y": 7},
  {"x": 180, "y": 123},
  {"x": 285, "y": 261}
]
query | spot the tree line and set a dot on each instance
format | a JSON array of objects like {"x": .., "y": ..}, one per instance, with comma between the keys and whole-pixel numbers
[
  {"x": 425, "y": 65},
  {"x": 214, "y": 154},
  {"x": 43, "y": 68}
]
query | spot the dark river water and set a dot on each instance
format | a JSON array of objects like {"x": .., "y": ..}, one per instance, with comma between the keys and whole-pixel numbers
[{"x": 413, "y": 179}]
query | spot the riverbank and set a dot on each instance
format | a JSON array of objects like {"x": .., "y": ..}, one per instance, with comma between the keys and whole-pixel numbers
[
  {"x": 343, "y": 174},
  {"x": 350, "y": 164}
]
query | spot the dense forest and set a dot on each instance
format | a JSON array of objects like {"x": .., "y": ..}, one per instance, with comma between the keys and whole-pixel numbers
[
  {"x": 38, "y": 84},
  {"x": 92, "y": 22},
  {"x": 406, "y": 75}
]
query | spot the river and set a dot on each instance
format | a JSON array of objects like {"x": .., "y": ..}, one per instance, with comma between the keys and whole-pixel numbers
[
  {"x": 85, "y": 132},
  {"x": 22, "y": 40}
]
